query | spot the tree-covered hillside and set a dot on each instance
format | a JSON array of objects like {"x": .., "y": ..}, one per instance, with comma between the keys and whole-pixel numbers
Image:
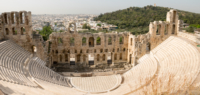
[{"x": 136, "y": 19}]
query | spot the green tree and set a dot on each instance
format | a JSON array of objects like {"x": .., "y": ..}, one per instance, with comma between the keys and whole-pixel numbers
[
  {"x": 45, "y": 32},
  {"x": 85, "y": 26},
  {"x": 99, "y": 24}
]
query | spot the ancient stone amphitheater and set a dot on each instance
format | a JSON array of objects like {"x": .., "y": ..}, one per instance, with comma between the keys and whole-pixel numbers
[{"x": 166, "y": 60}]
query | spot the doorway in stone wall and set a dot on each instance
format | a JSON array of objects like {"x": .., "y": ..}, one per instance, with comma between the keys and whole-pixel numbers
[{"x": 78, "y": 58}]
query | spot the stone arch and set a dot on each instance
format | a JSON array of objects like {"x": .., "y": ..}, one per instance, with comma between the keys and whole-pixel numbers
[
  {"x": 34, "y": 49},
  {"x": 115, "y": 56},
  {"x": 124, "y": 49},
  {"x": 72, "y": 27},
  {"x": 13, "y": 18},
  {"x": 60, "y": 40},
  {"x": 98, "y": 41},
  {"x": 109, "y": 40},
  {"x": 98, "y": 57},
  {"x": 6, "y": 18},
  {"x": 23, "y": 30},
  {"x": 121, "y": 40},
  {"x": 158, "y": 30},
  {"x": 174, "y": 16},
  {"x": 22, "y": 17},
  {"x": 120, "y": 57},
  {"x": 173, "y": 29},
  {"x": 130, "y": 58},
  {"x": 148, "y": 47},
  {"x": 78, "y": 56},
  {"x": 7, "y": 31},
  {"x": 91, "y": 42},
  {"x": 104, "y": 57},
  {"x": 71, "y": 41},
  {"x": 84, "y": 41}
]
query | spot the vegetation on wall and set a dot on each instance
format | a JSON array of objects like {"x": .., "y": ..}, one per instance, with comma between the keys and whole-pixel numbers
[{"x": 137, "y": 19}]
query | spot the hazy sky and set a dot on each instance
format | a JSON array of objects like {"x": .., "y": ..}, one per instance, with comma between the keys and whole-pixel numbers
[{"x": 91, "y": 6}]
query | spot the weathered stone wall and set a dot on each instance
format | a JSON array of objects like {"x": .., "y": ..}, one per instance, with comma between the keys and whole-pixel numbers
[
  {"x": 17, "y": 26},
  {"x": 62, "y": 47},
  {"x": 161, "y": 30},
  {"x": 1, "y": 31}
]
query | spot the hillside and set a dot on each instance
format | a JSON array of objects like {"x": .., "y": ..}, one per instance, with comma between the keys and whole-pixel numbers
[{"x": 137, "y": 19}]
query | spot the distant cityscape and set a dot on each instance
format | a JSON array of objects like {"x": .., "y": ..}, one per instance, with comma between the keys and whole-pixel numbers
[{"x": 61, "y": 22}]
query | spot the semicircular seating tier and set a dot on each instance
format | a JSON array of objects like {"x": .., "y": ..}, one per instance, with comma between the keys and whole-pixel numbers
[
  {"x": 41, "y": 73},
  {"x": 96, "y": 84},
  {"x": 179, "y": 63},
  {"x": 12, "y": 60}
]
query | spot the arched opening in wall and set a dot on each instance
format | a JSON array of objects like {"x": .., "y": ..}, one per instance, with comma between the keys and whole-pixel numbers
[
  {"x": 87, "y": 51},
  {"x": 23, "y": 30},
  {"x": 158, "y": 29},
  {"x": 34, "y": 49},
  {"x": 72, "y": 27},
  {"x": 148, "y": 48},
  {"x": 60, "y": 58},
  {"x": 13, "y": 18},
  {"x": 6, "y": 18},
  {"x": 131, "y": 41},
  {"x": 66, "y": 57},
  {"x": 109, "y": 41},
  {"x": 121, "y": 40},
  {"x": 78, "y": 58},
  {"x": 118, "y": 50},
  {"x": 98, "y": 57},
  {"x": 75, "y": 51},
  {"x": 14, "y": 31},
  {"x": 72, "y": 41},
  {"x": 120, "y": 57},
  {"x": 68, "y": 51},
  {"x": 174, "y": 16},
  {"x": 22, "y": 18},
  {"x": 98, "y": 41},
  {"x": 60, "y": 41},
  {"x": 173, "y": 29},
  {"x": 7, "y": 31},
  {"x": 115, "y": 56},
  {"x": 81, "y": 51},
  {"x": 83, "y": 41},
  {"x": 94, "y": 50},
  {"x": 124, "y": 50},
  {"x": 56, "y": 51},
  {"x": 101, "y": 50},
  {"x": 113, "y": 50},
  {"x": 104, "y": 57},
  {"x": 166, "y": 29},
  {"x": 84, "y": 58},
  {"x": 130, "y": 58},
  {"x": 63, "y": 51},
  {"x": 91, "y": 42}
]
